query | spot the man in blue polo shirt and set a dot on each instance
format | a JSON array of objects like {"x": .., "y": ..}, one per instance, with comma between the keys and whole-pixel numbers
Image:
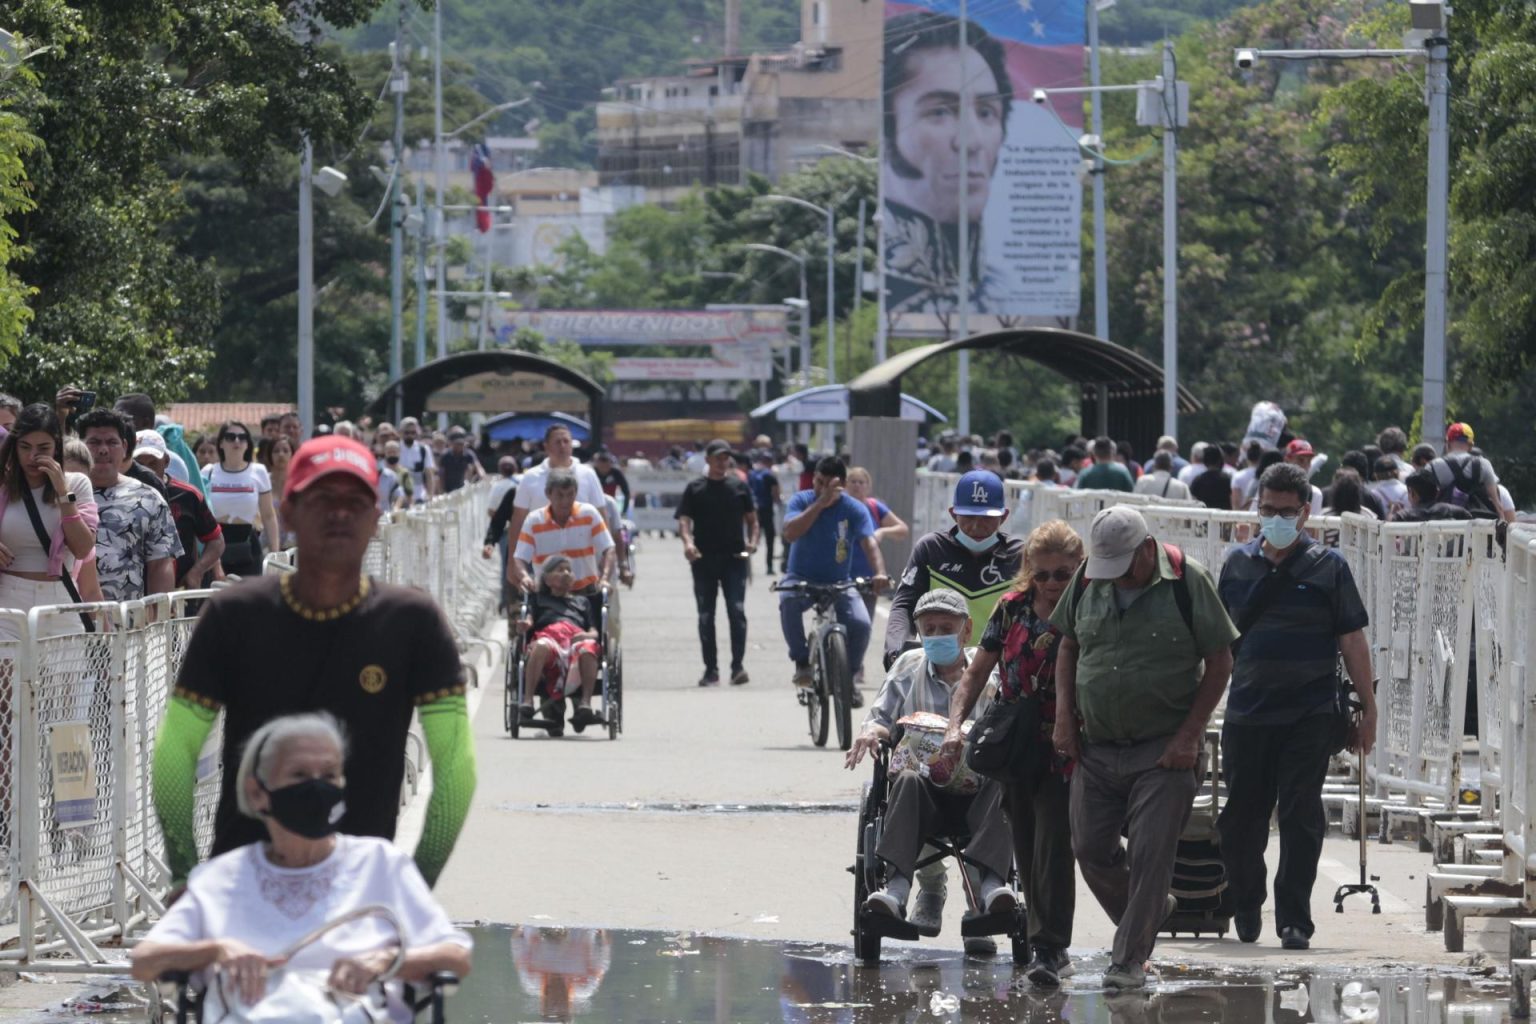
[
  {"x": 822, "y": 525},
  {"x": 1299, "y": 610}
]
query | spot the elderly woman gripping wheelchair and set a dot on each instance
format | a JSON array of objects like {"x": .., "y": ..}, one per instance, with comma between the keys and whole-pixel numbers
[
  {"x": 242, "y": 910},
  {"x": 919, "y": 805}
]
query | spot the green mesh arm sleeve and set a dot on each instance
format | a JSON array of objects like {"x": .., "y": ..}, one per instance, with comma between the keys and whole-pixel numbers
[
  {"x": 180, "y": 741},
  {"x": 445, "y": 722}
]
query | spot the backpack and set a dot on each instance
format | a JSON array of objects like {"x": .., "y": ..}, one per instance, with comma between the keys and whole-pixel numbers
[
  {"x": 1460, "y": 476},
  {"x": 1180, "y": 588}
]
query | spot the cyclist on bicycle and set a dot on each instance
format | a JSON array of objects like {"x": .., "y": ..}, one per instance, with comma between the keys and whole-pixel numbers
[
  {"x": 821, "y": 526},
  {"x": 974, "y": 557}
]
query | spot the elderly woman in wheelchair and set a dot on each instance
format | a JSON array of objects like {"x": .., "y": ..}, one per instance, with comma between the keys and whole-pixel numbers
[
  {"x": 308, "y": 914},
  {"x": 918, "y": 797},
  {"x": 564, "y": 646}
]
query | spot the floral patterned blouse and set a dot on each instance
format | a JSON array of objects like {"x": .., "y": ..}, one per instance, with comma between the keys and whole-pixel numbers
[{"x": 1027, "y": 646}]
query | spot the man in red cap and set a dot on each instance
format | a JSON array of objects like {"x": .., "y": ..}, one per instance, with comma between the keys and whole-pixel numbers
[
  {"x": 1299, "y": 453},
  {"x": 322, "y": 638}
]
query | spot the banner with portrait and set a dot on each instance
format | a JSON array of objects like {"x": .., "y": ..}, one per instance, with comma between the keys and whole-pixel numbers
[{"x": 1022, "y": 193}]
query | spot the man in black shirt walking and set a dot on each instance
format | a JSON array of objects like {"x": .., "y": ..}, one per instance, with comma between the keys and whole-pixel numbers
[{"x": 710, "y": 517}]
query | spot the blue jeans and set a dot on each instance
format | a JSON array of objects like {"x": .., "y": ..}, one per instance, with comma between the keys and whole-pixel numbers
[{"x": 850, "y": 612}]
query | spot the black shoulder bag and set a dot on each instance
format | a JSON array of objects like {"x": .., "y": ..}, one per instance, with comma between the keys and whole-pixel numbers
[
  {"x": 1005, "y": 743},
  {"x": 47, "y": 543},
  {"x": 1344, "y": 702}
]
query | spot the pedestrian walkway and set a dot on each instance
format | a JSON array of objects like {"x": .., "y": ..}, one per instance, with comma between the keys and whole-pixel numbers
[{"x": 714, "y": 813}]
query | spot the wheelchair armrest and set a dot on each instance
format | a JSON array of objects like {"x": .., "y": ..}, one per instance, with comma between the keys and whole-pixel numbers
[
  {"x": 445, "y": 980},
  {"x": 174, "y": 978}
]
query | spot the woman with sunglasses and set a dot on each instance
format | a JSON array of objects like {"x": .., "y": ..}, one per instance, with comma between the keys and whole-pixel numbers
[
  {"x": 1020, "y": 640},
  {"x": 240, "y": 496}
]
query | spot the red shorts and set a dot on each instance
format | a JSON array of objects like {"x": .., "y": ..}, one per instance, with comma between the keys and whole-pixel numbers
[{"x": 562, "y": 669}]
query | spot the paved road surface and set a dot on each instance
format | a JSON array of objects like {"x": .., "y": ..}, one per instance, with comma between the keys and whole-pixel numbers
[{"x": 579, "y": 831}]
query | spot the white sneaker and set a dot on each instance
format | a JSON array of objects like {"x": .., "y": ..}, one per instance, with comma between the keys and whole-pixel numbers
[
  {"x": 883, "y": 902},
  {"x": 999, "y": 899}
]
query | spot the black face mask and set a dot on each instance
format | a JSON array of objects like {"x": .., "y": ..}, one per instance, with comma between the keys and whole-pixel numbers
[
  {"x": 393, "y": 460},
  {"x": 310, "y": 808}
]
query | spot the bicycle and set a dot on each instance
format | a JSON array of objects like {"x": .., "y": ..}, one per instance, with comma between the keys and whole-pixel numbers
[{"x": 831, "y": 673}]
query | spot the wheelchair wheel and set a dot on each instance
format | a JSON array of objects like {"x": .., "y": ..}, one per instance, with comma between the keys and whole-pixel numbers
[
  {"x": 516, "y": 666},
  {"x": 816, "y": 704},
  {"x": 839, "y": 680},
  {"x": 613, "y": 700},
  {"x": 866, "y": 946}
]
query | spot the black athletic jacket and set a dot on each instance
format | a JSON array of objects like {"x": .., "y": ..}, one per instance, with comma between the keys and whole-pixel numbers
[{"x": 938, "y": 560}]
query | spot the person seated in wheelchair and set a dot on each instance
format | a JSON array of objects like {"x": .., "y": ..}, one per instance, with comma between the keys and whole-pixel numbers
[
  {"x": 240, "y": 922},
  {"x": 563, "y": 645},
  {"x": 935, "y": 803}
]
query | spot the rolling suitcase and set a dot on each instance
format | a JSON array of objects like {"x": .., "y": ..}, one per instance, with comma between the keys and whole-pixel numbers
[{"x": 1199, "y": 873}]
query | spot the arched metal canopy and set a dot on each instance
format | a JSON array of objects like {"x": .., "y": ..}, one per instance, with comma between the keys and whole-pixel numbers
[
  {"x": 1134, "y": 383},
  {"x": 495, "y": 382},
  {"x": 828, "y": 403}
]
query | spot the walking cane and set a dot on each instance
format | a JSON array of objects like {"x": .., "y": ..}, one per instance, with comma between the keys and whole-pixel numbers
[{"x": 1364, "y": 885}]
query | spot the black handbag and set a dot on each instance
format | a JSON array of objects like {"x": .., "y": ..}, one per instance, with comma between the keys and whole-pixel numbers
[
  {"x": 64, "y": 576},
  {"x": 1005, "y": 743}
]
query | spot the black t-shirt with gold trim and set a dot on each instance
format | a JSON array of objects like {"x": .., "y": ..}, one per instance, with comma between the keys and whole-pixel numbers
[{"x": 257, "y": 657}]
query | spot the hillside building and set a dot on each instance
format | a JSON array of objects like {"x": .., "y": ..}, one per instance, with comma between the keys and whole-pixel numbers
[{"x": 768, "y": 113}]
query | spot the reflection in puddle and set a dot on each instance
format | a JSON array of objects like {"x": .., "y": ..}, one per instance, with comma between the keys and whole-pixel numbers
[
  {"x": 559, "y": 974},
  {"x": 543, "y": 973}
]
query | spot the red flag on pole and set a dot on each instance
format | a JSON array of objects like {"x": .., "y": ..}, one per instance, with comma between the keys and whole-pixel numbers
[{"x": 485, "y": 183}]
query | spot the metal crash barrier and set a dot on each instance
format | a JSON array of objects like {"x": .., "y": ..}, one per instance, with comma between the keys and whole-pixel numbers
[{"x": 82, "y": 858}]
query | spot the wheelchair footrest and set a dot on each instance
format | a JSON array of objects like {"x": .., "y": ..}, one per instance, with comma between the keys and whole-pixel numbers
[
  {"x": 1000, "y": 922},
  {"x": 888, "y": 927}
]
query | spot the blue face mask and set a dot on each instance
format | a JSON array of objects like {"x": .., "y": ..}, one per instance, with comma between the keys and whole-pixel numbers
[
  {"x": 972, "y": 544},
  {"x": 943, "y": 649},
  {"x": 1280, "y": 532}
]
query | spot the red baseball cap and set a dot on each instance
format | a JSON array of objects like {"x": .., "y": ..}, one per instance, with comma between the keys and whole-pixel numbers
[
  {"x": 1300, "y": 446},
  {"x": 322, "y": 456},
  {"x": 1459, "y": 432}
]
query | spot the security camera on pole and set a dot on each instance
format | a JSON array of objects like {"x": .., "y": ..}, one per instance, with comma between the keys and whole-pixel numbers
[{"x": 1427, "y": 41}]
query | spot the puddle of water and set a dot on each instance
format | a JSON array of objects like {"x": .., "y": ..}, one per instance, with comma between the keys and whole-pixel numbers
[
  {"x": 684, "y": 807},
  {"x": 558, "y": 974},
  {"x": 544, "y": 973}
]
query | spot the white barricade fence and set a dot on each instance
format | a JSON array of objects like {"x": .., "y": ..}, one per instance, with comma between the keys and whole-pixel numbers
[
  {"x": 82, "y": 857},
  {"x": 1423, "y": 584},
  {"x": 1517, "y": 632}
]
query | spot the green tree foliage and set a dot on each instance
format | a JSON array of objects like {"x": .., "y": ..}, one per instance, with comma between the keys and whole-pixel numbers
[
  {"x": 255, "y": 343},
  {"x": 1278, "y": 273},
  {"x": 1492, "y": 254},
  {"x": 17, "y": 86},
  {"x": 124, "y": 90},
  {"x": 1141, "y": 24}
]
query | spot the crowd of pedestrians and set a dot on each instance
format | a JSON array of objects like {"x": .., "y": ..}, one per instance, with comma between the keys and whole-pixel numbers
[{"x": 1122, "y": 647}]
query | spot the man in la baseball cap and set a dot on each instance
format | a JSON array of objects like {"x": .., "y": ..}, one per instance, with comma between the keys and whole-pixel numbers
[
  {"x": 980, "y": 493},
  {"x": 1144, "y": 658}
]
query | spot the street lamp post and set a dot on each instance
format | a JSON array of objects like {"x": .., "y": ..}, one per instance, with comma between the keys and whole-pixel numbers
[
  {"x": 330, "y": 181},
  {"x": 825, "y": 211},
  {"x": 1162, "y": 102},
  {"x": 1428, "y": 42},
  {"x": 805, "y": 308}
]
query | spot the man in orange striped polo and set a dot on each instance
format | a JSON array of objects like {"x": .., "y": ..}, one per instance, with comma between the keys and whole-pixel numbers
[{"x": 564, "y": 527}]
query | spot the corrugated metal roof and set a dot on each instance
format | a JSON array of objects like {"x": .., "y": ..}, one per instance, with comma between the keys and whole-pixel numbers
[{"x": 200, "y": 416}]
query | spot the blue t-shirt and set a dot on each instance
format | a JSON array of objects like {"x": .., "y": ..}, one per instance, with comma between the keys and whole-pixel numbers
[
  {"x": 761, "y": 482},
  {"x": 824, "y": 553},
  {"x": 877, "y": 514}
]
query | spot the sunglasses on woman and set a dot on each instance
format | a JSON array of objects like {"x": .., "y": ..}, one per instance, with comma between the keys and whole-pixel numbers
[
  {"x": 237, "y": 437},
  {"x": 1060, "y": 575}
]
